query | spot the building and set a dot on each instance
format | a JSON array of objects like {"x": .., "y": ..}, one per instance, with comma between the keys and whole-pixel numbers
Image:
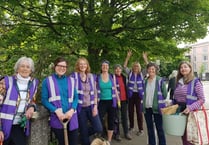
[{"x": 198, "y": 56}]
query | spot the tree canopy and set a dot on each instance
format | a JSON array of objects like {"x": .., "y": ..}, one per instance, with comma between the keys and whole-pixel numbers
[{"x": 98, "y": 29}]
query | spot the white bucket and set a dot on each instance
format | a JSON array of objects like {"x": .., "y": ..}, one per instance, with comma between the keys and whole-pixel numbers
[{"x": 174, "y": 124}]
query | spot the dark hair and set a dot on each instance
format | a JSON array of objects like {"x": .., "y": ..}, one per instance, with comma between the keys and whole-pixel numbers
[
  {"x": 60, "y": 59},
  {"x": 150, "y": 64}
]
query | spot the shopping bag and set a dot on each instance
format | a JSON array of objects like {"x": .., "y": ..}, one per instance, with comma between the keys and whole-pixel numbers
[{"x": 197, "y": 127}]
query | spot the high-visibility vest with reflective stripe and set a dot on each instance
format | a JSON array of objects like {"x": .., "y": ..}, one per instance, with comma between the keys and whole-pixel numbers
[
  {"x": 114, "y": 99},
  {"x": 140, "y": 84},
  {"x": 161, "y": 100},
  {"x": 91, "y": 80},
  {"x": 191, "y": 94},
  {"x": 55, "y": 99},
  {"x": 9, "y": 107}
]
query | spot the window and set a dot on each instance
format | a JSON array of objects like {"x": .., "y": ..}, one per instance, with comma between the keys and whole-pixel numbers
[{"x": 205, "y": 57}]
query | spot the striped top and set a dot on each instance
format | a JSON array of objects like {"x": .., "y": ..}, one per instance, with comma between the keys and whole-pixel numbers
[{"x": 181, "y": 92}]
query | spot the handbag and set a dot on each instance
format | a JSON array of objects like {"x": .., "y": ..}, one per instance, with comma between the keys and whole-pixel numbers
[{"x": 197, "y": 127}]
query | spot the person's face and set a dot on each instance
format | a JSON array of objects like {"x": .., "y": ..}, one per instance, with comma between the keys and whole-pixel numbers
[
  {"x": 136, "y": 68},
  {"x": 61, "y": 68},
  {"x": 82, "y": 66},
  {"x": 151, "y": 71},
  {"x": 24, "y": 69},
  {"x": 118, "y": 71},
  {"x": 105, "y": 67},
  {"x": 185, "y": 69}
]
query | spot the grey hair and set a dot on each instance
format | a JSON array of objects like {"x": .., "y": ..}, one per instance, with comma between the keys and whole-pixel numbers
[{"x": 27, "y": 59}]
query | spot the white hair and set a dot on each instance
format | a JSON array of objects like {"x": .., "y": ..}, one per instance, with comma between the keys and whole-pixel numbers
[{"x": 22, "y": 59}]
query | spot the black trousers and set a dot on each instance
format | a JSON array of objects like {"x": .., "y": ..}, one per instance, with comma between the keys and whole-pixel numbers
[
  {"x": 17, "y": 136},
  {"x": 72, "y": 136}
]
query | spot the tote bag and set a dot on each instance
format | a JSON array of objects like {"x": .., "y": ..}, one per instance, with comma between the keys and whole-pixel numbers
[{"x": 197, "y": 127}]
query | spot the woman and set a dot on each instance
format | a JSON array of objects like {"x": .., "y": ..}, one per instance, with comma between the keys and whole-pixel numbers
[
  {"x": 188, "y": 93},
  {"x": 87, "y": 104},
  {"x": 122, "y": 110},
  {"x": 60, "y": 98},
  {"x": 135, "y": 93},
  {"x": 107, "y": 96},
  {"x": 18, "y": 104},
  {"x": 155, "y": 93}
]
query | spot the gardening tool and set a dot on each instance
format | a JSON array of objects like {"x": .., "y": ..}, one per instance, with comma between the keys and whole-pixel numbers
[{"x": 64, "y": 123}]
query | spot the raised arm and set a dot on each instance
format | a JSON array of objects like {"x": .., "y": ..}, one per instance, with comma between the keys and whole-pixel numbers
[
  {"x": 129, "y": 54},
  {"x": 144, "y": 54}
]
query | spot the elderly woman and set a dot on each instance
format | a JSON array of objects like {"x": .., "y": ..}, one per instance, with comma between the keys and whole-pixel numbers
[
  {"x": 60, "y": 97},
  {"x": 18, "y": 104},
  {"x": 155, "y": 93},
  {"x": 189, "y": 93},
  {"x": 87, "y": 104}
]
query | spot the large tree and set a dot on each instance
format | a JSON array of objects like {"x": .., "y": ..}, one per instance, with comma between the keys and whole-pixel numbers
[{"x": 98, "y": 29}]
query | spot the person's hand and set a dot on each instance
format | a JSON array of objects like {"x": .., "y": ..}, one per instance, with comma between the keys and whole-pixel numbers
[
  {"x": 186, "y": 111},
  {"x": 1, "y": 136},
  {"x": 95, "y": 111},
  {"x": 129, "y": 53},
  {"x": 119, "y": 104},
  {"x": 29, "y": 112},
  {"x": 60, "y": 114},
  {"x": 2, "y": 87},
  {"x": 69, "y": 114}
]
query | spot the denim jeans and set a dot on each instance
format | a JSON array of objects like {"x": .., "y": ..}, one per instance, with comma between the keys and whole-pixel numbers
[
  {"x": 88, "y": 124},
  {"x": 156, "y": 118}
]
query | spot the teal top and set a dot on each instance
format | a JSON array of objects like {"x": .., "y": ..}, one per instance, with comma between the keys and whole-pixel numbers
[
  {"x": 63, "y": 88},
  {"x": 106, "y": 90}
]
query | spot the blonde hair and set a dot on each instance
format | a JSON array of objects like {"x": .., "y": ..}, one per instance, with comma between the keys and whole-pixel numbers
[
  {"x": 189, "y": 77},
  {"x": 77, "y": 68},
  {"x": 138, "y": 64}
]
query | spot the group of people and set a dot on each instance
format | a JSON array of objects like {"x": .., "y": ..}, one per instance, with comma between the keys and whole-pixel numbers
[{"x": 94, "y": 104}]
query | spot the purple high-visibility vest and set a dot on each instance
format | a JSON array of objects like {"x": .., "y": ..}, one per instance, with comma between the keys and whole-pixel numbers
[
  {"x": 78, "y": 85},
  {"x": 9, "y": 106},
  {"x": 114, "y": 99},
  {"x": 140, "y": 84},
  {"x": 161, "y": 100},
  {"x": 55, "y": 99},
  {"x": 191, "y": 94}
]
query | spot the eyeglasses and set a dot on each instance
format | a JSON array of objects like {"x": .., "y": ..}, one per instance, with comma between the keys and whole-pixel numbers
[{"x": 61, "y": 66}]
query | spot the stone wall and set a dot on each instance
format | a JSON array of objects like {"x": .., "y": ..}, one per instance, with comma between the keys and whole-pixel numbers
[{"x": 40, "y": 130}]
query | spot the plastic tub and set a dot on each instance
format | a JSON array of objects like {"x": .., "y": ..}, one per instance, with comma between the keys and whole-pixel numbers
[{"x": 174, "y": 124}]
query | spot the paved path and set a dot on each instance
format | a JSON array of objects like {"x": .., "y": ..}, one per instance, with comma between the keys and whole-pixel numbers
[{"x": 171, "y": 140}]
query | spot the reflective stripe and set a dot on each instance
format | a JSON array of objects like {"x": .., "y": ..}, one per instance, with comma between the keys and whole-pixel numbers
[
  {"x": 76, "y": 78},
  {"x": 10, "y": 102},
  {"x": 52, "y": 87},
  {"x": 92, "y": 102},
  {"x": 6, "y": 116},
  {"x": 132, "y": 82},
  {"x": 161, "y": 101},
  {"x": 80, "y": 101},
  {"x": 138, "y": 82},
  {"x": 70, "y": 100},
  {"x": 80, "y": 92},
  {"x": 113, "y": 95},
  {"x": 54, "y": 98},
  {"x": 191, "y": 97},
  {"x": 7, "y": 101}
]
